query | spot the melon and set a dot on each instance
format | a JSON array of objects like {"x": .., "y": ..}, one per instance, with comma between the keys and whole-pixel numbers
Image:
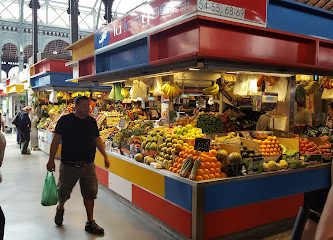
[
  {"x": 222, "y": 156},
  {"x": 234, "y": 158},
  {"x": 138, "y": 157}
]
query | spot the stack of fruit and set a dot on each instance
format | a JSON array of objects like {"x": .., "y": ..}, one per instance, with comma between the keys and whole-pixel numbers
[
  {"x": 274, "y": 166},
  {"x": 168, "y": 150},
  {"x": 187, "y": 132},
  {"x": 151, "y": 141},
  {"x": 197, "y": 165},
  {"x": 326, "y": 149},
  {"x": 270, "y": 147},
  {"x": 308, "y": 147}
]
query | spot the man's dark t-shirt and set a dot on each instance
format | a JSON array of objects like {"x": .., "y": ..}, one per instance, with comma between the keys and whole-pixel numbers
[{"x": 78, "y": 138}]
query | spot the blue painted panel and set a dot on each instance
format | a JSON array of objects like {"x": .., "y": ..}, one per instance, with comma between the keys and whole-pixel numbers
[
  {"x": 290, "y": 16},
  {"x": 53, "y": 79},
  {"x": 179, "y": 193},
  {"x": 131, "y": 55},
  {"x": 243, "y": 192}
]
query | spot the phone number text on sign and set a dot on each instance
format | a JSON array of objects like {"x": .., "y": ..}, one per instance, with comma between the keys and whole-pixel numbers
[{"x": 221, "y": 9}]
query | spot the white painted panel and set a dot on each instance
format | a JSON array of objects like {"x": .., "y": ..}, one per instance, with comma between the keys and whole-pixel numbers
[{"x": 120, "y": 186}]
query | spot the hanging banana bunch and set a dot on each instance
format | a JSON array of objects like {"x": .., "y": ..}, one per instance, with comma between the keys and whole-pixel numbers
[
  {"x": 170, "y": 89},
  {"x": 212, "y": 90}
]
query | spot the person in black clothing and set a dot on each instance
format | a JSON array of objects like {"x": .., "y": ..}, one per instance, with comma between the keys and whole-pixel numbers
[
  {"x": 2, "y": 151},
  {"x": 80, "y": 136},
  {"x": 23, "y": 126}
]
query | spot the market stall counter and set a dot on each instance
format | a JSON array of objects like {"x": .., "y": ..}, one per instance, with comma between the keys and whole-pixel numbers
[{"x": 211, "y": 208}]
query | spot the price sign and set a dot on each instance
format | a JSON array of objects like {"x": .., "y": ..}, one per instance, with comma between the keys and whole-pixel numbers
[
  {"x": 122, "y": 123},
  {"x": 202, "y": 144},
  {"x": 221, "y": 9}
]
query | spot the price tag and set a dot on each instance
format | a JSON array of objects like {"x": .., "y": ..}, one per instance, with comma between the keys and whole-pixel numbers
[
  {"x": 221, "y": 9},
  {"x": 122, "y": 123},
  {"x": 202, "y": 144}
]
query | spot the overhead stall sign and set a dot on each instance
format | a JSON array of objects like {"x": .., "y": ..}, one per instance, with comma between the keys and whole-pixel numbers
[
  {"x": 252, "y": 12},
  {"x": 148, "y": 17}
]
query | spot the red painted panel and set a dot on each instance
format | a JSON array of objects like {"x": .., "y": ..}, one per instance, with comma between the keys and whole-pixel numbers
[
  {"x": 87, "y": 67},
  {"x": 238, "y": 219},
  {"x": 54, "y": 65},
  {"x": 234, "y": 42},
  {"x": 102, "y": 176},
  {"x": 174, "y": 43},
  {"x": 173, "y": 216},
  {"x": 325, "y": 56}
]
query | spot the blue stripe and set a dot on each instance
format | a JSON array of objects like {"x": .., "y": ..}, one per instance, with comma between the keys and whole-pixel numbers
[
  {"x": 53, "y": 79},
  {"x": 299, "y": 18},
  {"x": 243, "y": 192},
  {"x": 179, "y": 193},
  {"x": 129, "y": 56}
]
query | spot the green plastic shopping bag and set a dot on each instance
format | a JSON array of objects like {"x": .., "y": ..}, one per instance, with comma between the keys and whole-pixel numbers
[{"x": 50, "y": 192}]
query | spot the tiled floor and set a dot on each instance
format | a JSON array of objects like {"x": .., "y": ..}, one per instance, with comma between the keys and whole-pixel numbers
[{"x": 26, "y": 219}]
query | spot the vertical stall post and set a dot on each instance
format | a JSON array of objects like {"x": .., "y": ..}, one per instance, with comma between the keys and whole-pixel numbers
[
  {"x": 198, "y": 212},
  {"x": 291, "y": 103}
]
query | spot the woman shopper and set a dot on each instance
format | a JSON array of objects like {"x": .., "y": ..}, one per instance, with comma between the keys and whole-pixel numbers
[{"x": 2, "y": 152}]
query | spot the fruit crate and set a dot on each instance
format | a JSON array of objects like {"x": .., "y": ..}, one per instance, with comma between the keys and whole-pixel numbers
[
  {"x": 326, "y": 159},
  {"x": 312, "y": 158}
]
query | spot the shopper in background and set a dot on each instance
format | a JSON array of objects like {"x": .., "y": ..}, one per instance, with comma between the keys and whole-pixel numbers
[
  {"x": 79, "y": 135},
  {"x": 329, "y": 123},
  {"x": 302, "y": 116},
  {"x": 2, "y": 152},
  {"x": 23, "y": 126},
  {"x": 34, "y": 130}
]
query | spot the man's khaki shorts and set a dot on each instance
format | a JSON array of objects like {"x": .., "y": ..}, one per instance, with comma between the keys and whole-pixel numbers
[{"x": 69, "y": 175}]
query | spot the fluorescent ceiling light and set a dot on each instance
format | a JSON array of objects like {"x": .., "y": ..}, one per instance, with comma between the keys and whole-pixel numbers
[{"x": 194, "y": 69}]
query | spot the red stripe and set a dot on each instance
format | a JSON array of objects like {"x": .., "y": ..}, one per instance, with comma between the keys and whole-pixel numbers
[
  {"x": 174, "y": 217},
  {"x": 238, "y": 219},
  {"x": 102, "y": 176}
]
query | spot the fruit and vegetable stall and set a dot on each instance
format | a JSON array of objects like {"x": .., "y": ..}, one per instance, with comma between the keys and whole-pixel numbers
[{"x": 187, "y": 152}]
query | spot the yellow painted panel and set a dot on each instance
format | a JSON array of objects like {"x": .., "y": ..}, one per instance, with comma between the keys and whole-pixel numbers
[
  {"x": 15, "y": 88},
  {"x": 86, "y": 49},
  {"x": 140, "y": 176},
  {"x": 32, "y": 70}
]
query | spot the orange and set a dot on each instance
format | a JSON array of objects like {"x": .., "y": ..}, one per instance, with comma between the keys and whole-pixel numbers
[
  {"x": 211, "y": 176},
  {"x": 213, "y": 153},
  {"x": 199, "y": 178},
  {"x": 219, "y": 164},
  {"x": 207, "y": 164},
  {"x": 200, "y": 172},
  {"x": 175, "y": 170},
  {"x": 191, "y": 151},
  {"x": 213, "y": 165},
  {"x": 217, "y": 175},
  {"x": 197, "y": 153},
  {"x": 171, "y": 169},
  {"x": 223, "y": 175},
  {"x": 179, "y": 166},
  {"x": 181, "y": 154},
  {"x": 217, "y": 170},
  {"x": 205, "y": 177},
  {"x": 183, "y": 160},
  {"x": 187, "y": 150},
  {"x": 191, "y": 147},
  {"x": 212, "y": 170},
  {"x": 195, "y": 158},
  {"x": 277, "y": 145},
  {"x": 206, "y": 171},
  {"x": 185, "y": 156},
  {"x": 213, "y": 159}
]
